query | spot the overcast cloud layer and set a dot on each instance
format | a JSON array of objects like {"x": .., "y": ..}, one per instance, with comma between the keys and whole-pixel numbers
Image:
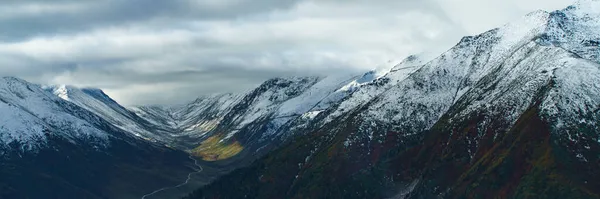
[{"x": 171, "y": 51}]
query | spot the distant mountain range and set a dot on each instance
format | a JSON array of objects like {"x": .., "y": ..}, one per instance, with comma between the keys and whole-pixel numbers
[{"x": 510, "y": 113}]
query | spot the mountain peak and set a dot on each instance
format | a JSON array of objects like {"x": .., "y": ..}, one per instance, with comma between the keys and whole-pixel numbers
[
  {"x": 61, "y": 91},
  {"x": 66, "y": 91},
  {"x": 576, "y": 29},
  {"x": 30, "y": 112}
]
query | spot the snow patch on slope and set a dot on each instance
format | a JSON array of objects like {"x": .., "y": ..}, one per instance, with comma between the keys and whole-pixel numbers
[
  {"x": 368, "y": 91},
  {"x": 576, "y": 29},
  {"x": 576, "y": 94},
  {"x": 318, "y": 97},
  {"x": 97, "y": 102},
  {"x": 30, "y": 114},
  {"x": 367, "y": 78},
  {"x": 62, "y": 92},
  {"x": 415, "y": 103},
  {"x": 271, "y": 96},
  {"x": 20, "y": 127}
]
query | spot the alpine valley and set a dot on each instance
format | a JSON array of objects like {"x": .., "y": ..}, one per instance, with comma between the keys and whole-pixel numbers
[{"x": 511, "y": 113}]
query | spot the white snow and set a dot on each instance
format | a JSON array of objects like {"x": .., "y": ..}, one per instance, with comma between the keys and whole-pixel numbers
[
  {"x": 576, "y": 29},
  {"x": 318, "y": 97},
  {"x": 420, "y": 100},
  {"x": 575, "y": 100},
  {"x": 311, "y": 115},
  {"x": 62, "y": 92},
  {"x": 21, "y": 127},
  {"x": 496, "y": 71},
  {"x": 95, "y": 101},
  {"x": 28, "y": 112},
  {"x": 368, "y": 91},
  {"x": 365, "y": 79}
]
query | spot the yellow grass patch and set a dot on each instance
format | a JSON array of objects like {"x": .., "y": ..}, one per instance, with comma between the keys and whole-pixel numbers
[{"x": 212, "y": 149}]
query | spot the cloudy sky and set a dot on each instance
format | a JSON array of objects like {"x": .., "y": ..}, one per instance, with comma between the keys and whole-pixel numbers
[{"x": 171, "y": 51}]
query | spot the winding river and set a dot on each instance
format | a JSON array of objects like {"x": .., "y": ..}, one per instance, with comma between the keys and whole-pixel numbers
[{"x": 180, "y": 185}]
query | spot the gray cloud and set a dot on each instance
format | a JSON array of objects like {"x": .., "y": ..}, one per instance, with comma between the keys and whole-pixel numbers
[
  {"x": 156, "y": 51},
  {"x": 22, "y": 19}
]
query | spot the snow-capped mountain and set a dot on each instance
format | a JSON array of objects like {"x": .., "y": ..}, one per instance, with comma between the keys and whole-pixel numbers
[
  {"x": 510, "y": 113},
  {"x": 30, "y": 115},
  {"x": 410, "y": 96},
  {"x": 77, "y": 148},
  {"x": 96, "y": 101},
  {"x": 257, "y": 117},
  {"x": 507, "y": 113},
  {"x": 193, "y": 119},
  {"x": 371, "y": 89}
]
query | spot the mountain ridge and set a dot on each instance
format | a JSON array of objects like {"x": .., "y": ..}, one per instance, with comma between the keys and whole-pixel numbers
[
  {"x": 54, "y": 148},
  {"x": 522, "y": 100},
  {"x": 456, "y": 125}
]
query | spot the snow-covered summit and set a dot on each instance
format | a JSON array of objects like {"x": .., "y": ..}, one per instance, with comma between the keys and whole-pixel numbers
[
  {"x": 366, "y": 78},
  {"x": 576, "y": 29},
  {"x": 364, "y": 93},
  {"x": 30, "y": 114},
  {"x": 97, "y": 102},
  {"x": 499, "y": 70}
]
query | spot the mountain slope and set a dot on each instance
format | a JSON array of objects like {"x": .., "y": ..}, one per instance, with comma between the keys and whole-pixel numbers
[
  {"x": 512, "y": 112},
  {"x": 96, "y": 101},
  {"x": 52, "y": 148},
  {"x": 30, "y": 115},
  {"x": 257, "y": 120}
]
